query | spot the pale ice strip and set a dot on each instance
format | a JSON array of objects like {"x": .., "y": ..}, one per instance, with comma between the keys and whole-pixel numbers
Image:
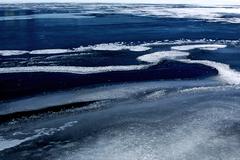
[
  {"x": 43, "y": 16},
  {"x": 188, "y": 42},
  {"x": 159, "y": 56},
  {"x": 12, "y": 52},
  {"x": 226, "y": 74},
  {"x": 156, "y": 95},
  {"x": 210, "y": 47},
  {"x": 5, "y": 144},
  {"x": 67, "y": 55},
  {"x": 10, "y": 143},
  {"x": 71, "y": 69},
  {"x": 207, "y": 89},
  {"x": 51, "y": 51},
  {"x": 36, "y": 52}
]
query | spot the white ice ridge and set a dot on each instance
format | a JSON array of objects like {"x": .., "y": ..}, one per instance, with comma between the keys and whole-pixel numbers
[
  {"x": 209, "y": 47},
  {"x": 225, "y": 73},
  {"x": 10, "y": 143},
  {"x": 98, "y": 47},
  {"x": 72, "y": 69},
  {"x": 114, "y": 47},
  {"x": 159, "y": 56}
]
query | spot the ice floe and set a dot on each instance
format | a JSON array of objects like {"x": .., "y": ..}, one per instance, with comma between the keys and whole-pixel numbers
[
  {"x": 158, "y": 56},
  {"x": 209, "y": 47}
]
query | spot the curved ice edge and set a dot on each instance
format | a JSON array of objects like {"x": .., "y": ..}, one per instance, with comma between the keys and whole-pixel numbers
[
  {"x": 225, "y": 73},
  {"x": 10, "y": 143},
  {"x": 72, "y": 69}
]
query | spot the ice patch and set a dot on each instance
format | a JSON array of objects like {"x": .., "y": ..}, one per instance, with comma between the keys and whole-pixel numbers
[
  {"x": 195, "y": 135},
  {"x": 156, "y": 95},
  {"x": 159, "y": 56},
  {"x": 209, "y": 47},
  {"x": 113, "y": 47},
  {"x": 72, "y": 69},
  {"x": 10, "y": 143},
  {"x": 212, "y": 14},
  {"x": 5, "y": 144}
]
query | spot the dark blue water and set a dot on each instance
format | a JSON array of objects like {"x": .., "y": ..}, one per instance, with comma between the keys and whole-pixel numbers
[
  {"x": 44, "y": 33},
  {"x": 113, "y": 81}
]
